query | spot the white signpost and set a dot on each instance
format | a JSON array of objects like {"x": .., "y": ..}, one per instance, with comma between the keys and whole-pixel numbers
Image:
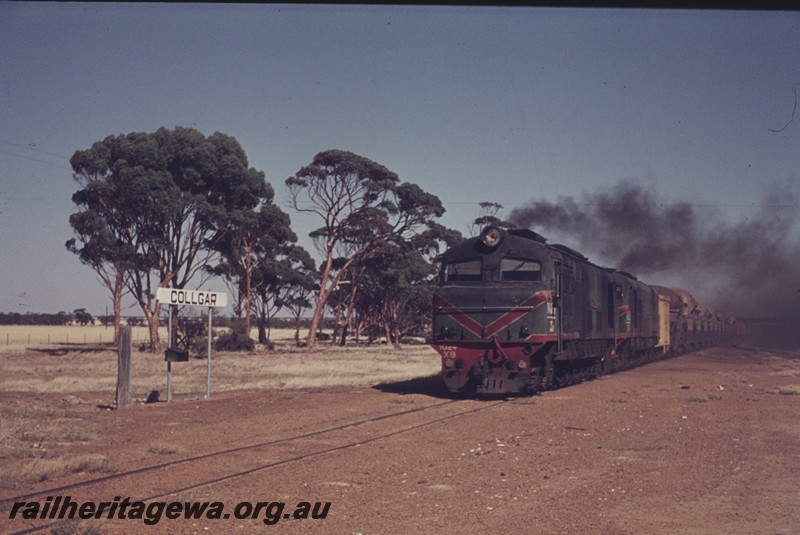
[
  {"x": 194, "y": 298},
  {"x": 197, "y": 298}
]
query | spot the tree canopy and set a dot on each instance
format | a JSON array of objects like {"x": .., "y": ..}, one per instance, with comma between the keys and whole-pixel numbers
[
  {"x": 251, "y": 240},
  {"x": 362, "y": 204},
  {"x": 167, "y": 208},
  {"x": 158, "y": 206}
]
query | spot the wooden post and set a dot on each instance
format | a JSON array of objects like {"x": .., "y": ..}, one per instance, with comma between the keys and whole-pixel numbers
[
  {"x": 169, "y": 381},
  {"x": 124, "y": 368}
]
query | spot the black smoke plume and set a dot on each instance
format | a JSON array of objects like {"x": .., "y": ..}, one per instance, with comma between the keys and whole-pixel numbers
[{"x": 749, "y": 268}]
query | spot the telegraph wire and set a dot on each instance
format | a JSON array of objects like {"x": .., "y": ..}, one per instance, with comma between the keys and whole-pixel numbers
[
  {"x": 33, "y": 147},
  {"x": 58, "y": 166}
]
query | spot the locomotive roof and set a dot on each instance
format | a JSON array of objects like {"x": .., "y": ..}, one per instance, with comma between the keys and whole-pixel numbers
[
  {"x": 474, "y": 245},
  {"x": 521, "y": 239},
  {"x": 679, "y": 298},
  {"x": 527, "y": 233},
  {"x": 566, "y": 250}
]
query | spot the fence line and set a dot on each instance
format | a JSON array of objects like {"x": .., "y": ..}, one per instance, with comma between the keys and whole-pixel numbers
[{"x": 47, "y": 334}]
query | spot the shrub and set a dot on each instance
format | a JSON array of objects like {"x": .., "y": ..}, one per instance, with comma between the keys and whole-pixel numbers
[
  {"x": 199, "y": 345},
  {"x": 235, "y": 340}
]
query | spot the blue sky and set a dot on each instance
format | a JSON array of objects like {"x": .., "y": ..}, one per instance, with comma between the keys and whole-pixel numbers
[{"x": 471, "y": 103}]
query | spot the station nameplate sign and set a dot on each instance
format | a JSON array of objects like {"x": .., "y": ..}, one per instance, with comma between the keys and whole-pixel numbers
[{"x": 196, "y": 298}]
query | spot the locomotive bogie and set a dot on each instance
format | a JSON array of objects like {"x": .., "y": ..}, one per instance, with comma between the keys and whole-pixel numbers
[{"x": 513, "y": 314}]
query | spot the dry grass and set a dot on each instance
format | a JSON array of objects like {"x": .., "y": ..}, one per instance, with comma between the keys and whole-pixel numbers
[
  {"x": 703, "y": 399},
  {"x": 25, "y": 335},
  {"x": 36, "y": 424},
  {"x": 39, "y": 470},
  {"x": 34, "y": 437},
  {"x": 76, "y": 527},
  {"x": 162, "y": 448},
  {"x": 31, "y": 437},
  {"x": 68, "y": 370},
  {"x": 788, "y": 390},
  {"x": 21, "y": 336},
  {"x": 791, "y": 372},
  {"x": 697, "y": 399},
  {"x": 788, "y": 368}
]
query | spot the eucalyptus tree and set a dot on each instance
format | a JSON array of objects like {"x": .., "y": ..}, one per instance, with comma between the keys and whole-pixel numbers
[
  {"x": 250, "y": 240},
  {"x": 361, "y": 204},
  {"x": 302, "y": 281},
  {"x": 158, "y": 203},
  {"x": 395, "y": 285},
  {"x": 283, "y": 281},
  {"x": 94, "y": 243},
  {"x": 388, "y": 283}
]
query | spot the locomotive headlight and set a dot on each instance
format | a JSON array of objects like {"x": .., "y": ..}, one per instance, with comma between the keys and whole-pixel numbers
[
  {"x": 449, "y": 362},
  {"x": 522, "y": 365},
  {"x": 491, "y": 236}
]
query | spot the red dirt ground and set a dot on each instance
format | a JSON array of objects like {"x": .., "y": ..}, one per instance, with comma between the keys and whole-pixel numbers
[{"x": 703, "y": 443}]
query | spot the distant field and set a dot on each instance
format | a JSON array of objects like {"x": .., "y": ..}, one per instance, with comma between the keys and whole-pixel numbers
[
  {"x": 64, "y": 334},
  {"x": 23, "y": 335},
  {"x": 68, "y": 369},
  {"x": 68, "y": 359}
]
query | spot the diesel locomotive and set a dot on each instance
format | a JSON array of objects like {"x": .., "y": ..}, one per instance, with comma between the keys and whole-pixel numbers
[{"x": 513, "y": 314}]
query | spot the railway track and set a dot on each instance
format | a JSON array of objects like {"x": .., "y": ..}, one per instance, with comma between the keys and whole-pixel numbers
[{"x": 199, "y": 471}]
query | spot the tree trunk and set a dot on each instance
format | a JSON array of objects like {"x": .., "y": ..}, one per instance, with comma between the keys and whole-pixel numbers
[
  {"x": 387, "y": 331},
  {"x": 396, "y": 333},
  {"x": 349, "y": 314},
  {"x": 324, "y": 294},
  {"x": 152, "y": 325},
  {"x": 359, "y": 328},
  {"x": 247, "y": 278},
  {"x": 321, "y": 300},
  {"x": 117, "y": 302},
  {"x": 297, "y": 329},
  {"x": 312, "y": 329},
  {"x": 336, "y": 322}
]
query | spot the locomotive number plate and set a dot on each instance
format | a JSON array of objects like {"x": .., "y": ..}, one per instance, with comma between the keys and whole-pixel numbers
[{"x": 447, "y": 351}]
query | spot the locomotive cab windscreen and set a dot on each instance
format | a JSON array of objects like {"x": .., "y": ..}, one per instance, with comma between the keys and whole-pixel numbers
[
  {"x": 495, "y": 256},
  {"x": 462, "y": 270},
  {"x": 520, "y": 269}
]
